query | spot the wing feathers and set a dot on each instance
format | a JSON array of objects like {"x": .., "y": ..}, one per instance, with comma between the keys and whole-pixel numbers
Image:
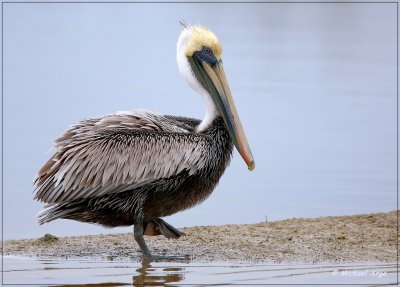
[{"x": 117, "y": 153}]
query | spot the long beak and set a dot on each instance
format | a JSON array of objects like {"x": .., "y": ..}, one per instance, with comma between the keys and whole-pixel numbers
[{"x": 214, "y": 80}]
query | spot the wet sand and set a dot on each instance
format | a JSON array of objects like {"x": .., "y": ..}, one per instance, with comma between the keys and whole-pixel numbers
[{"x": 336, "y": 239}]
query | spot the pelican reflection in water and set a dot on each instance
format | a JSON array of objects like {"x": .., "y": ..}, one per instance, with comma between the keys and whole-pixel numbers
[
  {"x": 148, "y": 275},
  {"x": 132, "y": 168}
]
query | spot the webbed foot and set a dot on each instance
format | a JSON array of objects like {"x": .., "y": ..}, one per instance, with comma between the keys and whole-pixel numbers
[
  {"x": 147, "y": 256},
  {"x": 156, "y": 257}
]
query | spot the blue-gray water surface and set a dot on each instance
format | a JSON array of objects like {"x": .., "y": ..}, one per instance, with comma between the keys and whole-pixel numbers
[
  {"x": 314, "y": 84},
  {"x": 124, "y": 273}
]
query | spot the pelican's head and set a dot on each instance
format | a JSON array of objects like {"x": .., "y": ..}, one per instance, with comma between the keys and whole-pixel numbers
[{"x": 199, "y": 60}]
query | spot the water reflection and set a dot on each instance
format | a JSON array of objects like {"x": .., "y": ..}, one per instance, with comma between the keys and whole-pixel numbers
[
  {"x": 100, "y": 273},
  {"x": 157, "y": 276},
  {"x": 108, "y": 284}
]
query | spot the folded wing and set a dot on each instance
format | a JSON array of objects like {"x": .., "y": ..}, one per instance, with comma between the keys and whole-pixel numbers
[{"x": 116, "y": 153}]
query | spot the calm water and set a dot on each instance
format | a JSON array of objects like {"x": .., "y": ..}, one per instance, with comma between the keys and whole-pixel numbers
[
  {"x": 124, "y": 273},
  {"x": 314, "y": 84}
]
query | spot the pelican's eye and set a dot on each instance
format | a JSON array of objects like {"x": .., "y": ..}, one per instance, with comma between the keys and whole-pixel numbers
[
  {"x": 207, "y": 50},
  {"x": 206, "y": 54}
]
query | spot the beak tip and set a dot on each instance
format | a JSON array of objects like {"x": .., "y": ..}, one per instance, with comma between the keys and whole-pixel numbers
[{"x": 252, "y": 165}]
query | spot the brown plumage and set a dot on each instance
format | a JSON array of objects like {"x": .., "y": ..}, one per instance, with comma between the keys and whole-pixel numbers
[
  {"x": 120, "y": 199},
  {"x": 132, "y": 168}
]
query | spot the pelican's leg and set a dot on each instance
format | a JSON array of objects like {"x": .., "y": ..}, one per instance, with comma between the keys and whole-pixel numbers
[
  {"x": 167, "y": 229},
  {"x": 138, "y": 235}
]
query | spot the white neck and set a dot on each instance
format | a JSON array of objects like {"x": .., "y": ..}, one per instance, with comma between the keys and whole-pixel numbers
[{"x": 187, "y": 73}]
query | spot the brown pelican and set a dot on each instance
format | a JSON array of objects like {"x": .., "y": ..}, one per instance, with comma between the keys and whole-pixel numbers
[{"x": 131, "y": 168}]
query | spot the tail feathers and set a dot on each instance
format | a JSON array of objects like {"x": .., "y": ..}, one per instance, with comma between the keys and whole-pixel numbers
[
  {"x": 160, "y": 227},
  {"x": 53, "y": 212}
]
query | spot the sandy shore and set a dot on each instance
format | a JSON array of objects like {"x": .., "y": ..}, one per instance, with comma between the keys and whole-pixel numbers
[{"x": 340, "y": 239}]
